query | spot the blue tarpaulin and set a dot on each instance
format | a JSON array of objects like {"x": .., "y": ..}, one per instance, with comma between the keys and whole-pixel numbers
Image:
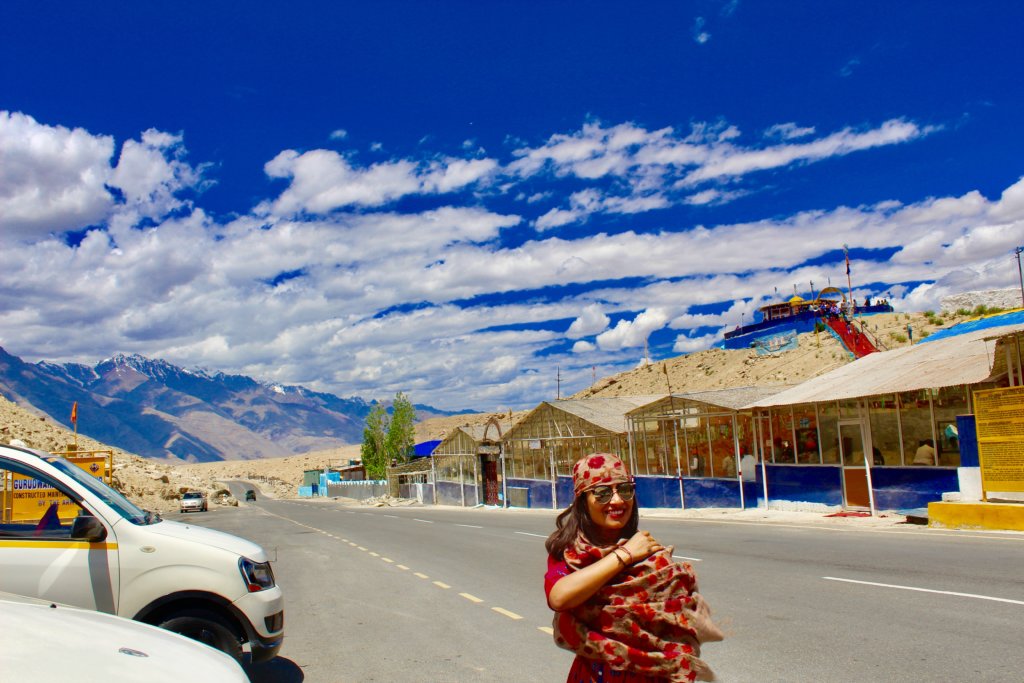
[
  {"x": 1011, "y": 318},
  {"x": 425, "y": 448}
]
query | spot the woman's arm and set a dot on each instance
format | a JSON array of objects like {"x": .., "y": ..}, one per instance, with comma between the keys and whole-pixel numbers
[{"x": 577, "y": 587}]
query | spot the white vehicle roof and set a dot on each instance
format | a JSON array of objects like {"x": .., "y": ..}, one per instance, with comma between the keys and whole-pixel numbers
[{"x": 46, "y": 642}]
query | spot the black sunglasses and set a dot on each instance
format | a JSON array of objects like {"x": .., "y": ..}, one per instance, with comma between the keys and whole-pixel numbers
[{"x": 603, "y": 494}]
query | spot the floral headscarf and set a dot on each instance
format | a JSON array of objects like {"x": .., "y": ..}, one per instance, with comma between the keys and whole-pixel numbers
[{"x": 597, "y": 469}]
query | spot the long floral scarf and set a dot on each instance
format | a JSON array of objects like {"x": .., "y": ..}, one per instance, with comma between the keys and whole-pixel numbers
[{"x": 648, "y": 619}]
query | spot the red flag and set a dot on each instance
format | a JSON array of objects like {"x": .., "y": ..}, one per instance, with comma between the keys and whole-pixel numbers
[{"x": 74, "y": 413}]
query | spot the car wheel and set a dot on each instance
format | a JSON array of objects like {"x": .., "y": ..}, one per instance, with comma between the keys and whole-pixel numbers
[{"x": 207, "y": 628}]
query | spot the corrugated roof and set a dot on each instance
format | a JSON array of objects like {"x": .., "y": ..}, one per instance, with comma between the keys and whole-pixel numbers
[
  {"x": 736, "y": 397},
  {"x": 963, "y": 359},
  {"x": 733, "y": 398},
  {"x": 608, "y": 413}
]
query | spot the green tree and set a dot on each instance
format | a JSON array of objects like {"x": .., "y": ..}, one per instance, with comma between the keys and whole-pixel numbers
[
  {"x": 373, "y": 450},
  {"x": 401, "y": 434}
]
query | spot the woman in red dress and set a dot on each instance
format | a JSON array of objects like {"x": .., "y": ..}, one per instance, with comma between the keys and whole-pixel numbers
[{"x": 622, "y": 604}]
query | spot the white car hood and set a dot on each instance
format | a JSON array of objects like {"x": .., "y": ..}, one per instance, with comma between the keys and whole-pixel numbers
[
  {"x": 217, "y": 539},
  {"x": 46, "y": 643}
]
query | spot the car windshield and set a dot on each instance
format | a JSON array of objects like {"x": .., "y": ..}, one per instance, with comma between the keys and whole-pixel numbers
[
  {"x": 114, "y": 499},
  {"x": 192, "y": 495}
]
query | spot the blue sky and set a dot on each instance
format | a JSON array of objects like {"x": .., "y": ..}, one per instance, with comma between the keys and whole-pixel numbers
[{"x": 460, "y": 200}]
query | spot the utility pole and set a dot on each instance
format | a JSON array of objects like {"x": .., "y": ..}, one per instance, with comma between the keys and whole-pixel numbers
[
  {"x": 558, "y": 383},
  {"x": 1020, "y": 274}
]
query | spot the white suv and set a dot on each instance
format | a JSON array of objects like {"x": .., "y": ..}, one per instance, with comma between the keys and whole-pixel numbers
[{"x": 66, "y": 536}]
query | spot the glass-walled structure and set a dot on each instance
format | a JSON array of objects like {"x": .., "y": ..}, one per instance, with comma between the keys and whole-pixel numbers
[
  {"x": 699, "y": 449},
  {"x": 540, "y": 450},
  {"x": 898, "y": 426}
]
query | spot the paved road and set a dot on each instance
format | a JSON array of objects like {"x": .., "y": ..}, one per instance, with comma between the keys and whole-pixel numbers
[{"x": 442, "y": 594}]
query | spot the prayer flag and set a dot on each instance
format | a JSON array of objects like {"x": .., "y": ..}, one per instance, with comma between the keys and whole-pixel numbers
[{"x": 74, "y": 413}]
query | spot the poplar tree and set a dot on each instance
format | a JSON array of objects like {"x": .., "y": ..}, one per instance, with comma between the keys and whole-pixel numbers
[
  {"x": 373, "y": 451},
  {"x": 401, "y": 437}
]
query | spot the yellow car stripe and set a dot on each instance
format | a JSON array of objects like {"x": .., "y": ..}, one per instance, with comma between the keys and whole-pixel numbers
[{"x": 43, "y": 543}]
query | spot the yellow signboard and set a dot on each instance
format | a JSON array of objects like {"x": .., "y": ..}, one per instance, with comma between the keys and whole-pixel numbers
[
  {"x": 31, "y": 498},
  {"x": 999, "y": 417}
]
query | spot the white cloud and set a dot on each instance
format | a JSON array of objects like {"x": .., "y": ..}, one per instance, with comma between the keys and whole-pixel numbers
[
  {"x": 633, "y": 333},
  {"x": 685, "y": 344},
  {"x": 338, "y": 134},
  {"x": 788, "y": 131},
  {"x": 51, "y": 177},
  {"x": 583, "y": 346},
  {"x": 699, "y": 34},
  {"x": 149, "y": 179},
  {"x": 323, "y": 180},
  {"x": 591, "y": 321}
]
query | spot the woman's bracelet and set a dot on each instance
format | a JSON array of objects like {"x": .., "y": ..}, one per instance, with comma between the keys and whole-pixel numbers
[
  {"x": 626, "y": 550},
  {"x": 618, "y": 557}
]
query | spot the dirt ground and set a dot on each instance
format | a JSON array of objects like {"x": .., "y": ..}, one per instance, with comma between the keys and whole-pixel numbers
[{"x": 156, "y": 485}]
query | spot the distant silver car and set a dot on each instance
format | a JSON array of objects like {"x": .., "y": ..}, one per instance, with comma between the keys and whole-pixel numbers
[{"x": 193, "y": 501}]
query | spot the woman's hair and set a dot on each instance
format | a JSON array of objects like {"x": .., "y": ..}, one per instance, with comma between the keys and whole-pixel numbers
[{"x": 576, "y": 518}]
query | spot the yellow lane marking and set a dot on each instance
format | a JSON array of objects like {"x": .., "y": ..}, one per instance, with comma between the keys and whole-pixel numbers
[
  {"x": 422, "y": 576},
  {"x": 352, "y": 544},
  {"x": 361, "y": 548},
  {"x": 402, "y": 567},
  {"x": 441, "y": 584},
  {"x": 388, "y": 560},
  {"x": 505, "y": 612},
  {"x": 547, "y": 629},
  {"x": 375, "y": 554},
  {"x": 471, "y": 598}
]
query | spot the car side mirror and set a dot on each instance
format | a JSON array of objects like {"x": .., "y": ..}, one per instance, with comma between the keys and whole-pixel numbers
[{"x": 88, "y": 528}]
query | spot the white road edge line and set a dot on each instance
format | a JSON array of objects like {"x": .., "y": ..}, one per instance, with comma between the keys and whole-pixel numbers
[
  {"x": 527, "y": 533},
  {"x": 689, "y": 559},
  {"x": 926, "y": 590},
  {"x": 425, "y": 521},
  {"x": 470, "y": 526}
]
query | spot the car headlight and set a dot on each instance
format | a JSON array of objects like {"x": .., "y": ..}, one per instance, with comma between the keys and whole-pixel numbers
[{"x": 258, "y": 576}]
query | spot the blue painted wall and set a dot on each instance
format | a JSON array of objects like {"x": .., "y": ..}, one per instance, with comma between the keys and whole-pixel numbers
[
  {"x": 908, "y": 488},
  {"x": 563, "y": 489},
  {"x": 540, "y": 491},
  {"x": 968, "y": 433},
  {"x": 708, "y": 492},
  {"x": 658, "y": 492},
  {"x": 805, "y": 483}
]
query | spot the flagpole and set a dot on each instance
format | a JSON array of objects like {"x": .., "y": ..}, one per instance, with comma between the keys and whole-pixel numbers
[
  {"x": 74, "y": 422},
  {"x": 849, "y": 286}
]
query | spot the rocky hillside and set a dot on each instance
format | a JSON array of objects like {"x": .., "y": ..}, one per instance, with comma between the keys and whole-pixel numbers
[{"x": 151, "y": 485}]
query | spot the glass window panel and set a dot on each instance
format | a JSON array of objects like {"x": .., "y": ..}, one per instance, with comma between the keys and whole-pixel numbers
[
  {"x": 828, "y": 436},
  {"x": 806, "y": 434},
  {"x": 916, "y": 426},
  {"x": 885, "y": 432}
]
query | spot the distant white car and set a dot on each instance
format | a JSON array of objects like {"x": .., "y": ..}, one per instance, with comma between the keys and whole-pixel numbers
[
  {"x": 43, "y": 641},
  {"x": 193, "y": 501}
]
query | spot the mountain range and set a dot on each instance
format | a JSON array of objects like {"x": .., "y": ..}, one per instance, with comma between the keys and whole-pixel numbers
[{"x": 158, "y": 410}]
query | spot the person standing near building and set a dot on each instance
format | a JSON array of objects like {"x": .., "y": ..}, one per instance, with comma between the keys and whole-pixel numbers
[{"x": 622, "y": 604}]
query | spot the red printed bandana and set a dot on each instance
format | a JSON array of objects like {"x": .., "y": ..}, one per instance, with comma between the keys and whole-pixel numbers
[
  {"x": 648, "y": 619},
  {"x": 597, "y": 469}
]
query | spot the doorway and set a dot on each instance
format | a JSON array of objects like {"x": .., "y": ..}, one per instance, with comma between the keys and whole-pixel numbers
[
  {"x": 856, "y": 489},
  {"x": 491, "y": 489}
]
